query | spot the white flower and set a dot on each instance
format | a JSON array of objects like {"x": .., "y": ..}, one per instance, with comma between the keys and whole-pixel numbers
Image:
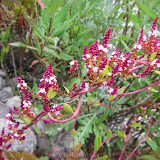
[
  {"x": 110, "y": 90},
  {"x": 95, "y": 69},
  {"x": 71, "y": 63},
  {"x": 109, "y": 74},
  {"x": 100, "y": 47},
  {"x": 94, "y": 58},
  {"x": 8, "y": 115},
  {"x": 26, "y": 104},
  {"x": 88, "y": 56},
  {"x": 42, "y": 90},
  {"x": 89, "y": 66}
]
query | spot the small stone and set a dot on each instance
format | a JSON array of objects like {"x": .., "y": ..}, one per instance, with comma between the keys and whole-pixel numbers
[
  {"x": 13, "y": 82},
  {"x": 3, "y": 110},
  {"x": 2, "y": 83},
  {"x": 13, "y": 102},
  {"x": 2, "y": 74},
  {"x": 5, "y": 94}
]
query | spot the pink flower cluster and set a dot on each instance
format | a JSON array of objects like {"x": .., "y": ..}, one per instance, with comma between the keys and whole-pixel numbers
[
  {"x": 48, "y": 81},
  {"x": 73, "y": 68},
  {"x": 7, "y": 139},
  {"x": 102, "y": 71},
  {"x": 25, "y": 103}
]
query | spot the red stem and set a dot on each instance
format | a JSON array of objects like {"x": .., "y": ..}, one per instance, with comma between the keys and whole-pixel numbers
[{"x": 70, "y": 118}]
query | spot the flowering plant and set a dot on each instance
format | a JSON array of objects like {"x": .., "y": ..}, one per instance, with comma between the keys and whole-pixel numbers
[{"x": 101, "y": 72}]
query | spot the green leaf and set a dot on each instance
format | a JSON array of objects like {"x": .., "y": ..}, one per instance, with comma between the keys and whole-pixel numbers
[
  {"x": 35, "y": 87},
  {"x": 61, "y": 16},
  {"x": 45, "y": 17},
  {"x": 110, "y": 98},
  {"x": 37, "y": 130},
  {"x": 20, "y": 44},
  {"x": 134, "y": 124},
  {"x": 109, "y": 133},
  {"x": 102, "y": 158},
  {"x": 97, "y": 142},
  {"x": 152, "y": 144},
  {"x": 2, "y": 55},
  {"x": 146, "y": 10},
  {"x": 97, "y": 103},
  {"x": 66, "y": 57},
  {"x": 51, "y": 94},
  {"x": 152, "y": 56},
  {"x": 120, "y": 133},
  {"x": 102, "y": 118},
  {"x": 43, "y": 158},
  {"x": 125, "y": 46},
  {"x": 45, "y": 49},
  {"x": 134, "y": 19},
  {"x": 89, "y": 99},
  {"x": 73, "y": 81},
  {"x": 158, "y": 72},
  {"x": 67, "y": 108},
  {"x": 153, "y": 90},
  {"x": 147, "y": 157},
  {"x": 54, "y": 6},
  {"x": 105, "y": 72},
  {"x": 121, "y": 90},
  {"x": 67, "y": 90},
  {"x": 123, "y": 37},
  {"x": 5, "y": 34},
  {"x": 27, "y": 119}
]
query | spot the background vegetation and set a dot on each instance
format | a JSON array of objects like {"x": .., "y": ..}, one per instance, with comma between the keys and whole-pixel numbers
[{"x": 32, "y": 37}]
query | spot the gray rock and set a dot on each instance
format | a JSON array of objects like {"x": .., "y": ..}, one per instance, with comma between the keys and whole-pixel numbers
[
  {"x": 29, "y": 143},
  {"x": 2, "y": 74},
  {"x": 13, "y": 82},
  {"x": 13, "y": 102},
  {"x": 3, "y": 110},
  {"x": 2, "y": 83},
  {"x": 6, "y": 93}
]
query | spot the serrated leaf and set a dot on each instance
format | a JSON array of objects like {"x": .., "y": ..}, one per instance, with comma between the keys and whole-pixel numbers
[
  {"x": 61, "y": 16},
  {"x": 152, "y": 144},
  {"x": 27, "y": 119},
  {"x": 67, "y": 108},
  {"x": 147, "y": 157},
  {"x": 121, "y": 90},
  {"x": 102, "y": 158},
  {"x": 48, "y": 50},
  {"x": 158, "y": 72},
  {"x": 45, "y": 16},
  {"x": 67, "y": 90},
  {"x": 121, "y": 134},
  {"x": 97, "y": 103},
  {"x": 152, "y": 56},
  {"x": 134, "y": 124},
  {"x": 105, "y": 72},
  {"x": 97, "y": 142},
  {"x": 109, "y": 133},
  {"x": 51, "y": 94},
  {"x": 146, "y": 10}
]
